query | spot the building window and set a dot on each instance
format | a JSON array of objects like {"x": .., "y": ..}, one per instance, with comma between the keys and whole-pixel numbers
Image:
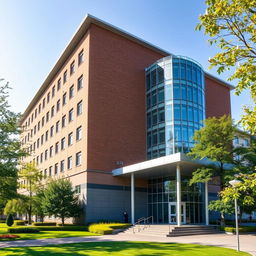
[
  {"x": 51, "y": 131},
  {"x": 79, "y": 133},
  {"x": 41, "y": 157},
  {"x": 69, "y": 166},
  {"x": 56, "y": 167},
  {"x": 45, "y": 173},
  {"x": 56, "y": 147},
  {"x": 78, "y": 158},
  {"x": 80, "y": 82},
  {"x": 43, "y": 121},
  {"x": 81, "y": 57},
  {"x": 65, "y": 76},
  {"x": 71, "y": 115},
  {"x": 46, "y": 135},
  {"x": 78, "y": 189},
  {"x": 71, "y": 92},
  {"x": 58, "y": 106},
  {"x": 39, "y": 109},
  {"x": 70, "y": 139},
  {"x": 58, "y": 84},
  {"x": 38, "y": 126},
  {"x": 52, "y": 111},
  {"x": 48, "y": 97},
  {"x": 43, "y": 102},
  {"x": 35, "y": 130},
  {"x": 35, "y": 113},
  {"x": 57, "y": 127},
  {"x": 42, "y": 139},
  {"x": 47, "y": 116},
  {"x": 62, "y": 165},
  {"x": 32, "y": 117},
  {"x": 63, "y": 122},
  {"x": 51, "y": 151},
  {"x": 37, "y": 160},
  {"x": 50, "y": 171},
  {"x": 72, "y": 67},
  {"x": 79, "y": 108},
  {"x": 64, "y": 99},
  {"x": 236, "y": 140},
  {"x": 38, "y": 143},
  {"x": 53, "y": 91},
  {"x": 62, "y": 145},
  {"x": 46, "y": 154}
]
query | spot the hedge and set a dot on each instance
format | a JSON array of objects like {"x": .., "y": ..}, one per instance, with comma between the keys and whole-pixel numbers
[
  {"x": 19, "y": 223},
  {"x": 105, "y": 229},
  {"x": 23, "y": 230},
  {"x": 241, "y": 229},
  {"x": 44, "y": 224},
  {"x": 2, "y": 221},
  {"x": 62, "y": 228}
]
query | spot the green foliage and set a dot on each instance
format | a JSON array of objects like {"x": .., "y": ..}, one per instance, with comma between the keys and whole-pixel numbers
[
  {"x": 10, "y": 147},
  {"x": 60, "y": 200},
  {"x": 221, "y": 206},
  {"x": 241, "y": 229},
  {"x": 22, "y": 230},
  {"x": 19, "y": 223},
  {"x": 44, "y": 224},
  {"x": 213, "y": 142},
  {"x": 18, "y": 205},
  {"x": 231, "y": 24},
  {"x": 9, "y": 220},
  {"x": 104, "y": 229}
]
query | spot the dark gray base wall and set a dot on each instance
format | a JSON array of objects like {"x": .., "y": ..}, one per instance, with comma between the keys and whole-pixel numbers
[{"x": 108, "y": 202}]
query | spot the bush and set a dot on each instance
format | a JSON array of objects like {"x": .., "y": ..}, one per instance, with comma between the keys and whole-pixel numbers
[
  {"x": 23, "y": 230},
  {"x": 44, "y": 224},
  {"x": 9, "y": 220},
  {"x": 2, "y": 221},
  {"x": 105, "y": 229},
  {"x": 62, "y": 228},
  {"x": 241, "y": 229},
  {"x": 19, "y": 223}
]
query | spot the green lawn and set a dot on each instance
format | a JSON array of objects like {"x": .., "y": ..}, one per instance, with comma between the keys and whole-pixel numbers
[
  {"x": 121, "y": 249},
  {"x": 45, "y": 234}
]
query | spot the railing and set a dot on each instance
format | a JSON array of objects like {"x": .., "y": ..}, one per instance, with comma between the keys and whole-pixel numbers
[{"x": 142, "y": 221}]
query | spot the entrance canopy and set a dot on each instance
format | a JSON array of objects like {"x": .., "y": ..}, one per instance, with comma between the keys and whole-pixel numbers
[{"x": 165, "y": 165}]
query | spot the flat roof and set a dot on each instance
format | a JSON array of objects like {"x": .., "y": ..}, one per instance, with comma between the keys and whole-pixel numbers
[{"x": 88, "y": 20}]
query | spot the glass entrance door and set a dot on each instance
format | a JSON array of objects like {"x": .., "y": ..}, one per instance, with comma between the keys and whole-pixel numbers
[{"x": 173, "y": 215}]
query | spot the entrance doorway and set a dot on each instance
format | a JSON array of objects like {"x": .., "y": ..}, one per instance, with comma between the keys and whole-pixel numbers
[{"x": 173, "y": 215}]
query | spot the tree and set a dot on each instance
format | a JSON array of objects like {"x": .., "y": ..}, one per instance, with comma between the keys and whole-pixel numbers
[
  {"x": 9, "y": 220},
  {"x": 60, "y": 200},
  {"x": 17, "y": 205},
  {"x": 37, "y": 204},
  {"x": 32, "y": 176},
  {"x": 10, "y": 147},
  {"x": 231, "y": 24},
  {"x": 214, "y": 142}
]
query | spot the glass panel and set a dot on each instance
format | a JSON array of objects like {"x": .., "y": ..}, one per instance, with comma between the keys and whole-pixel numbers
[
  {"x": 184, "y": 133},
  {"x": 177, "y": 133},
  {"x": 168, "y": 109},
  {"x": 195, "y": 115},
  {"x": 189, "y": 72},
  {"x": 148, "y": 81},
  {"x": 154, "y": 117},
  {"x": 184, "y": 112},
  {"x": 160, "y": 75},
  {"x": 154, "y": 138},
  {"x": 168, "y": 92},
  {"x": 160, "y": 95},
  {"x": 195, "y": 96},
  {"x": 176, "y": 91},
  {"x": 182, "y": 71},
  {"x": 176, "y": 71},
  {"x": 161, "y": 115},
  {"x": 153, "y": 78},
  {"x": 190, "y": 113},
  {"x": 177, "y": 112},
  {"x": 153, "y": 98},
  {"x": 184, "y": 92},
  {"x": 190, "y": 133},
  {"x": 189, "y": 90},
  {"x": 161, "y": 136}
]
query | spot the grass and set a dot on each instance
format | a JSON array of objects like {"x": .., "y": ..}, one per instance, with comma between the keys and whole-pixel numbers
[
  {"x": 122, "y": 249},
  {"x": 45, "y": 234}
]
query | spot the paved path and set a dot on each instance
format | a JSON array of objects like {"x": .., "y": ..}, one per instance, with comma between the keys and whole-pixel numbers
[{"x": 248, "y": 242}]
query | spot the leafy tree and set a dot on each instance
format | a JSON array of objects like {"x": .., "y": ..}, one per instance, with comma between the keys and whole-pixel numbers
[
  {"x": 231, "y": 24},
  {"x": 9, "y": 220},
  {"x": 213, "y": 142},
  {"x": 37, "y": 204},
  {"x": 17, "y": 205},
  {"x": 32, "y": 176},
  {"x": 60, "y": 200},
  {"x": 10, "y": 147}
]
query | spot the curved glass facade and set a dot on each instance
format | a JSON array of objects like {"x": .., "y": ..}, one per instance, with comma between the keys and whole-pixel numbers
[{"x": 175, "y": 105}]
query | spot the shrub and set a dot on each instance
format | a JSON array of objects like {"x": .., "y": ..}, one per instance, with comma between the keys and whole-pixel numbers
[
  {"x": 2, "y": 221},
  {"x": 23, "y": 230},
  {"x": 44, "y": 224},
  {"x": 9, "y": 220},
  {"x": 105, "y": 229},
  {"x": 241, "y": 229},
  {"x": 62, "y": 228},
  {"x": 8, "y": 236},
  {"x": 19, "y": 223}
]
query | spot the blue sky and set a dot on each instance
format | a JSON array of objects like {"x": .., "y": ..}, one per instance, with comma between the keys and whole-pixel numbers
[{"x": 34, "y": 34}]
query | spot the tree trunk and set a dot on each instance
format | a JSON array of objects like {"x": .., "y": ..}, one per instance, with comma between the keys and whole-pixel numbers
[
  {"x": 62, "y": 220},
  {"x": 222, "y": 215}
]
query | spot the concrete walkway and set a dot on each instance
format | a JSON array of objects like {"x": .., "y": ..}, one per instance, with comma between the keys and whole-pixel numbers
[{"x": 248, "y": 242}]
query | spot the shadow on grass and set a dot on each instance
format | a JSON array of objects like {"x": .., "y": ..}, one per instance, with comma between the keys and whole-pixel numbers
[{"x": 121, "y": 248}]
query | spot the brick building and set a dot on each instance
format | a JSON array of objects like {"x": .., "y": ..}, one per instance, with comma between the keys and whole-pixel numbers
[{"x": 116, "y": 116}]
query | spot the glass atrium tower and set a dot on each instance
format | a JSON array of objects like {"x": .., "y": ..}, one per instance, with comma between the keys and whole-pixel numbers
[{"x": 175, "y": 105}]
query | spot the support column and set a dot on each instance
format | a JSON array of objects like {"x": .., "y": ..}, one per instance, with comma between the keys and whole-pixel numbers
[
  {"x": 178, "y": 188},
  {"x": 206, "y": 204},
  {"x": 132, "y": 198}
]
